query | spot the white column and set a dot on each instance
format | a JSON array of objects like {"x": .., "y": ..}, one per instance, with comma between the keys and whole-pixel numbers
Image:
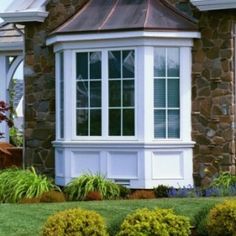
[{"x": 3, "y": 93}]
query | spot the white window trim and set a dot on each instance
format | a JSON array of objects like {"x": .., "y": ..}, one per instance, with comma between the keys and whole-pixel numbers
[{"x": 143, "y": 89}]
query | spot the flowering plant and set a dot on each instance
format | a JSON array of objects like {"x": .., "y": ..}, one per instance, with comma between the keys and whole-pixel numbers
[{"x": 4, "y": 108}]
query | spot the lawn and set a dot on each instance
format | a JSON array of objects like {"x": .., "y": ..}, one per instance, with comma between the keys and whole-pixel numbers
[{"x": 27, "y": 219}]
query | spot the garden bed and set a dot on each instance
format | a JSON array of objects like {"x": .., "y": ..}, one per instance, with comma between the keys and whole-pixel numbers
[{"x": 28, "y": 219}]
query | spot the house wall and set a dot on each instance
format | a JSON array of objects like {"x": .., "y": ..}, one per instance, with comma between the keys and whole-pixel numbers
[
  {"x": 40, "y": 86},
  {"x": 212, "y": 91}
]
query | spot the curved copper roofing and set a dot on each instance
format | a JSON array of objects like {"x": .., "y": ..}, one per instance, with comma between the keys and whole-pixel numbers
[{"x": 127, "y": 15}]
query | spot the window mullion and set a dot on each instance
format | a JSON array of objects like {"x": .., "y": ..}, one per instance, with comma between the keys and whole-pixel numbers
[
  {"x": 121, "y": 108},
  {"x": 166, "y": 93},
  {"x": 105, "y": 94},
  {"x": 88, "y": 94}
]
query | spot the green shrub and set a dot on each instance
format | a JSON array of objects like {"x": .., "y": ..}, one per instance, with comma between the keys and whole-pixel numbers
[
  {"x": 16, "y": 184},
  {"x": 75, "y": 222},
  {"x": 161, "y": 191},
  {"x": 52, "y": 196},
  {"x": 79, "y": 187},
  {"x": 142, "y": 194},
  {"x": 224, "y": 180},
  {"x": 157, "y": 222},
  {"x": 124, "y": 191},
  {"x": 221, "y": 220}
]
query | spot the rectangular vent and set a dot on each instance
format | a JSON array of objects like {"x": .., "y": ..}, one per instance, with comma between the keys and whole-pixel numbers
[{"x": 124, "y": 182}]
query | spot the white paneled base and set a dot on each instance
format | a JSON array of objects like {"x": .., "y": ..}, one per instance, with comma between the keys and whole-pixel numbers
[{"x": 145, "y": 167}]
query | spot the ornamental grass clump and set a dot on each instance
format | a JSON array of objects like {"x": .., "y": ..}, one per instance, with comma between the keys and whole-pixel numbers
[
  {"x": 157, "y": 222},
  {"x": 75, "y": 222},
  {"x": 221, "y": 220},
  {"x": 79, "y": 187},
  {"x": 17, "y": 184}
]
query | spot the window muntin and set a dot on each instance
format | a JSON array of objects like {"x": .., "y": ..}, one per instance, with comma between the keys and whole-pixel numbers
[
  {"x": 166, "y": 93},
  {"x": 88, "y": 94},
  {"x": 121, "y": 74},
  {"x": 61, "y": 94}
]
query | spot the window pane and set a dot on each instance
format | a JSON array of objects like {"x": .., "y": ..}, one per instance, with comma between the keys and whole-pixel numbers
[
  {"x": 82, "y": 122},
  {"x": 61, "y": 95},
  {"x": 173, "y": 93},
  {"x": 95, "y": 122},
  {"x": 114, "y": 64},
  {"x": 173, "y": 62},
  {"x": 128, "y": 122},
  {"x": 128, "y": 93},
  {"x": 82, "y": 94},
  {"x": 95, "y": 65},
  {"x": 114, "y": 122},
  {"x": 82, "y": 65},
  {"x": 115, "y": 93},
  {"x": 159, "y": 124},
  {"x": 159, "y": 93},
  {"x": 95, "y": 94},
  {"x": 173, "y": 124},
  {"x": 128, "y": 64},
  {"x": 159, "y": 62}
]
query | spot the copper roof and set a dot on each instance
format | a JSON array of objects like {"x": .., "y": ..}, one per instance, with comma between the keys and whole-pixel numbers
[{"x": 127, "y": 15}]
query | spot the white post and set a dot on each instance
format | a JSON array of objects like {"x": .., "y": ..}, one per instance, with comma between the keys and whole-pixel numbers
[{"x": 3, "y": 93}]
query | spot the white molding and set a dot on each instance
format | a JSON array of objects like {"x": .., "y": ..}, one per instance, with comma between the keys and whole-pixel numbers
[
  {"x": 11, "y": 46},
  {"x": 24, "y": 16},
  {"x": 121, "y": 35},
  {"x": 207, "y": 5}
]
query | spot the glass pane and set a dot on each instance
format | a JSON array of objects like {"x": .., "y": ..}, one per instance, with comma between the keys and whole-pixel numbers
[
  {"x": 173, "y": 93},
  {"x": 115, "y": 93},
  {"x": 62, "y": 124},
  {"x": 95, "y": 122},
  {"x": 159, "y": 62},
  {"x": 95, "y": 94},
  {"x": 159, "y": 93},
  {"x": 114, "y": 64},
  {"x": 159, "y": 124},
  {"x": 82, "y": 122},
  {"x": 128, "y": 122},
  {"x": 128, "y": 64},
  {"x": 82, "y": 94},
  {"x": 114, "y": 122},
  {"x": 128, "y": 93},
  {"x": 95, "y": 65},
  {"x": 173, "y": 62},
  {"x": 173, "y": 124},
  {"x": 82, "y": 65}
]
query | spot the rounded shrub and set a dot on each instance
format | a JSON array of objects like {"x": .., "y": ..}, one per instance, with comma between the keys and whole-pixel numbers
[
  {"x": 75, "y": 222},
  {"x": 93, "y": 196},
  {"x": 221, "y": 220},
  {"x": 142, "y": 194},
  {"x": 157, "y": 222},
  {"x": 79, "y": 187}
]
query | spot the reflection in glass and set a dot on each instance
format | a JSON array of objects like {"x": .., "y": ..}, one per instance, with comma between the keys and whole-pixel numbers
[
  {"x": 95, "y": 65},
  {"x": 159, "y": 62},
  {"x": 159, "y": 124},
  {"x": 173, "y": 62},
  {"x": 114, "y": 64},
  {"x": 159, "y": 93},
  {"x": 82, "y": 94},
  {"x": 114, "y": 122},
  {"x": 82, "y": 66},
  {"x": 128, "y": 64},
  {"x": 128, "y": 93},
  {"x": 115, "y": 93},
  {"x": 173, "y": 124},
  {"x": 95, "y": 122},
  {"x": 128, "y": 122},
  {"x": 95, "y": 94},
  {"x": 173, "y": 93},
  {"x": 82, "y": 122}
]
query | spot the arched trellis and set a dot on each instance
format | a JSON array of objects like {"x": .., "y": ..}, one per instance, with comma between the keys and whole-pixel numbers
[{"x": 11, "y": 45}]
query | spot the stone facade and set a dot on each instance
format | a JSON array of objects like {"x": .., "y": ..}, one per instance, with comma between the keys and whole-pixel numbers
[
  {"x": 39, "y": 76},
  {"x": 212, "y": 89}
]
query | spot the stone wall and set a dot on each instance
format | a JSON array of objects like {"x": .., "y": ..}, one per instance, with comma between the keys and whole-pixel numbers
[
  {"x": 213, "y": 91},
  {"x": 40, "y": 86}
]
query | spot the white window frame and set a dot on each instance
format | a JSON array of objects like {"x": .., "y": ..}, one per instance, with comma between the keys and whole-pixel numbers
[
  {"x": 105, "y": 97},
  {"x": 144, "y": 123}
]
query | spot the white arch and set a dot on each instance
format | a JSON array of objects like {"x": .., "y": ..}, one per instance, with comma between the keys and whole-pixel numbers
[{"x": 13, "y": 67}]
